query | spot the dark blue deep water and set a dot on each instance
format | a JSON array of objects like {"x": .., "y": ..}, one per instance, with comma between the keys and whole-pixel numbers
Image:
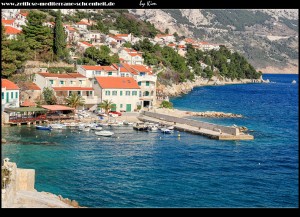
[{"x": 137, "y": 169}]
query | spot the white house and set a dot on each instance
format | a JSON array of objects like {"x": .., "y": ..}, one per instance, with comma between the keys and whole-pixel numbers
[
  {"x": 131, "y": 56},
  {"x": 11, "y": 32},
  {"x": 9, "y": 13},
  {"x": 82, "y": 25},
  {"x": 165, "y": 38},
  {"x": 72, "y": 34},
  {"x": 92, "y": 36},
  {"x": 126, "y": 37},
  {"x": 122, "y": 91},
  {"x": 10, "y": 94},
  {"x": 64, "y": 84},
  {"x": 21, "y": 19},
  {"x": 10, "y": 22},
  {"x": 208, "y": 46},
  {"x": 92, "y": 71}
]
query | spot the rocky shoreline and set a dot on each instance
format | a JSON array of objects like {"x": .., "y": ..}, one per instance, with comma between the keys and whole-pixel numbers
[{"x": 186, "y": 87}]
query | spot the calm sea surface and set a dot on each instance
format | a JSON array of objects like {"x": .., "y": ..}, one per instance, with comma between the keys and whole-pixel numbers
[{"x": 138, "y": 169}]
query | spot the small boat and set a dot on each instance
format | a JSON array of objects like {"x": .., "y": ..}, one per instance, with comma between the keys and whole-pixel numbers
[
  {"x": 166, "y": 131},
  {"x": 104, "y": 133},
  {"x": 57, "y": 126},
  {"x": 97, "y": 128},
  {"x": 294, "y": 82},
  {"x": 140, "y": 127},
  {"x": 126, "y": 123},
  {"x": 43, "y": 127},
  {"x": 86, "y": 129},
  {"x": 171, "y": 128}
]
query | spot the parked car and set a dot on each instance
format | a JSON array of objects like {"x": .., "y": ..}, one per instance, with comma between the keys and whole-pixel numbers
[{"x": 116, "y": 113}]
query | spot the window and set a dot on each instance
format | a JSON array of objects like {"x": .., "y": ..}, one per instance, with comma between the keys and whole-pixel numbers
[
  {"x": 11, "y": 95},
  {"x": 134, "y": 93},
  {"x": 122, "y": 75},
  {"x": 17, "y": 95},
  {"x": 114, "y": 93},
  {"x": 71, "y": 82},
  {"x": 107, "y": 93},
  {"x": 121, "y": 93},
  {"x": 121, "y": 105},
  {"x": 95, "y": 82},
  {"x": 79, "y": 93},
  {"x": 51, "y": 81},
  {"x": 2, "y": 95},
  {"x": 147, "y": 83},
  {"x": 80, "y": 81},
  {"x": 62, "y": 82},
  {"x": 109, "y": 73},
  {"x": 127, "y": 93},
  {"x": 7, "y": 96},
  {"x": 140, "y": 94},
  {"x": 140, "y": 83}
]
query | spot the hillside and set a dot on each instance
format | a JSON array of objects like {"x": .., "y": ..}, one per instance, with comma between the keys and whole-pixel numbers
[{"x": 267, "y": 38}]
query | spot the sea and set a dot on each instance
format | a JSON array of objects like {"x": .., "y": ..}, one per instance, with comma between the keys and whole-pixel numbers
[{"x": 140, "y": 169}]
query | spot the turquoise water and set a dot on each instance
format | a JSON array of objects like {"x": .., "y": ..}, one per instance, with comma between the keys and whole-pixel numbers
[{"x": 138, "y": 169}]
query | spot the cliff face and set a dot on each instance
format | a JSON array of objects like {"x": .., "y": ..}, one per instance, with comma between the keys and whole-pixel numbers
[{"x": 266, "y": 37}]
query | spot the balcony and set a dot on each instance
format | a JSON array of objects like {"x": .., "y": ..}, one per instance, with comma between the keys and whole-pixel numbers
[
  {"x": 90, "y": 99},
  {"x": 151, "y": 78}
]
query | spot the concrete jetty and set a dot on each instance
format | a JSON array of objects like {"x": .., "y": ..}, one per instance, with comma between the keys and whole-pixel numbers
[{"x": 213, "y": 131}]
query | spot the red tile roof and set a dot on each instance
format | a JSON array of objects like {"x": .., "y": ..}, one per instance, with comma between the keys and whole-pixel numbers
[
  {"x": 28, "y": 103},
  {"x": 8, "y": 22},
  {"x": 56, "y": 107},
  {"x": 65, "y": 75},
  {"x": 29, "y": 86},
  {"x": 135, "y": 54},
  {"x": 72, "y": 88},
  {"x": 122, "y": 68},
  {"x": 11, "y": 30},
  {"x": 25, "y": 14},
  {"x": 172, "y": 45},
  {"x": 9, "y": 85},
  {"x": 70, "y": 28},
  {"x": 87, "y": 67},
  {"x": 129, "y": 50},
  {"x": 141, "y": 68},
  {"x": 83, "y": 23},
  {"x": 122, "y": 35},
  {"x": 117, "y": 83},
  {"x": 86, "y": 43}
]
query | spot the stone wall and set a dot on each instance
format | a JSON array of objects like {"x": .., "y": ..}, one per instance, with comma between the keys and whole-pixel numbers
[{"x": 205, "y": 125}]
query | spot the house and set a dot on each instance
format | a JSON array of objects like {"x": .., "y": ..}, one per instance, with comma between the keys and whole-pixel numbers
[
  {"x": 205, "y": 46},
  {"x": 92, "y": 36},
  {"x": 92, "y": 71},
  {"x": 64, "y": 84},
  {"x": 145, "y": 78},
  {"x": 122, "y": 91},
  {"x": 11, "y": 32},
  {"x": 82, "y": 25},
  {"x": 126, "y": 37},
  {"x": 21, "y": 19},
  {"x": 131, "y": 56},
  {"x": 165, "y": 38},
  {"x": 72, "y": 35},
  {"x": 29, "y": 90},
  {"x": 49, "y": 24},
  {"x": 172, "y": 45},
  {"x": 9, "y": 13},
  {"x": 117, "y": 41},
  {"x": 10, "y": 22},
  {"x": 83, "y": 45},
  {"x": 10, "y": 93}
]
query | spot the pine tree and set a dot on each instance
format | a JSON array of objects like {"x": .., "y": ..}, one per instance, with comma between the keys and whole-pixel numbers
[{"x": 59, "y": 42}]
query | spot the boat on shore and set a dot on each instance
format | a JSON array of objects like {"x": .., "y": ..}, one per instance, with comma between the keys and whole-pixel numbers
[
  {"x": 294, "y": 82},
  {"x": 104, "y": 133},
  {"x": 38, "y": 127},
  {"x": 166, "y": 131}
]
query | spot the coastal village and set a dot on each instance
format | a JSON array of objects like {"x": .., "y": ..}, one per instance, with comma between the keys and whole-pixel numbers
[{"x": 129, "y": 85}]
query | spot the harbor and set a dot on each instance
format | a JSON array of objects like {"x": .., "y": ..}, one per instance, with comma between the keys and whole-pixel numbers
[{"x": 212, "y": 131}]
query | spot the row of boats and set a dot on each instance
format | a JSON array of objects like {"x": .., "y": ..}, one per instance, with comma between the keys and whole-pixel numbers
[
  {"x": 140, "y": 126},
  {"x": 98, "y": 127}
]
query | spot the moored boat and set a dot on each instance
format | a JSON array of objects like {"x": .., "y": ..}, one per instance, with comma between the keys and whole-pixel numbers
[
  {"x": 140, "y": 127},
  {"x": 38, "y": 127},
  {"x": 104, "y": 133}
]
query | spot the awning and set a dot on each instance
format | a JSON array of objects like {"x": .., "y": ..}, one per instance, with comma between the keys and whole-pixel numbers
[
  {"x": 25, "y": 109},
  {"x": 57, "y": 107}
]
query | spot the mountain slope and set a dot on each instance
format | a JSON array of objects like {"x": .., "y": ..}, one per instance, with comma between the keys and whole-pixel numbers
[{"x": 268, "y": 38}]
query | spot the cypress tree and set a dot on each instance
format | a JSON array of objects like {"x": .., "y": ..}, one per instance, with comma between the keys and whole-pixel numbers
[{"x": 60, "y": 43}]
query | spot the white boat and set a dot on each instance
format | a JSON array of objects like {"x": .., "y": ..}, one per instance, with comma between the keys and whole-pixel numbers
[
  {"x": 98, "y": 128},
  {"x": 171, "y": 128},
  {"x": 153, "y": 128},
  {"x": 166, "y": 130},
  {"x": 57, "y": 126},
  {"x": 104, "y": 133},
  {"x": 294, "y": 82},
  {"x": 86, "y": 129},
  {"x": 126, "y": 123}
]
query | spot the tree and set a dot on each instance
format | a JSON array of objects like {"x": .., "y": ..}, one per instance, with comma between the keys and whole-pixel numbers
[
  {"x": 75, "y": 100},
  {"x": 59, "y": 44},
  {"x": 99, "y": 56},
  {"x": 127, "y": 44},
  {"x": 166, "y": 104},
  {"x": 106, "y": 105},
  {"x": 14, "y": 54},
  {"x": 49, "y": 96},
  {"x": 39, "y": 38}
]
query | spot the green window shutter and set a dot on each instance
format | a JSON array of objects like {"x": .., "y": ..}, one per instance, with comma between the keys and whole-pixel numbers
[
  {"x": 121, "y": 93},
  {"x": 139, "y": 83},
  {"x": 2, "y": 95},
  {"x": 11, "y": 95},
  {"x": 17, "y": 95},
  {"x": 7, "y": 97},
  {"x": 109, "y": 73},
  {"x": 147, "y": 83}
]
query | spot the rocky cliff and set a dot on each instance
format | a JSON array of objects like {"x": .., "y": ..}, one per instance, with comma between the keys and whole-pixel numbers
[{"x": 268, "y": 38}]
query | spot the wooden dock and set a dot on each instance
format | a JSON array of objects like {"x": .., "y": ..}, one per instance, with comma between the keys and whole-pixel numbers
[{"x": 211, "y": 131}]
